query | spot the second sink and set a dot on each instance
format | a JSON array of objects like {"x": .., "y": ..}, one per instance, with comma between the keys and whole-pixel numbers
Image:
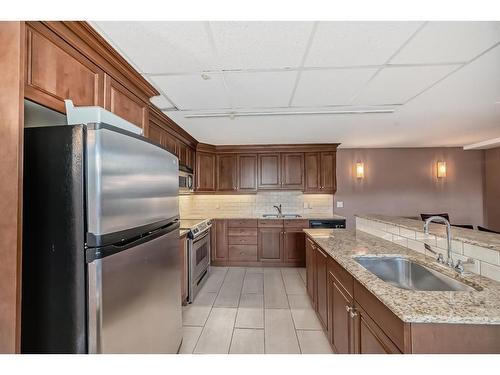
[{"x": 406, "y": 274}]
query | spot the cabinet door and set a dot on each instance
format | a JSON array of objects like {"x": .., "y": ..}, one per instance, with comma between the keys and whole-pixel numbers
[
  {"x": 56, "y": 71},
  {"x": 155, "y": 133},
  {"x": 247, "y": 172},
  {"x": 368, "y": 337},
  {"x": 328, "y": 166},
  {"x": 190, "y": 156},
  {"x": 219, "y": 243},
  {"x": 205, "y": 171},
  {"x": 226, "y": 172},
  {"x": 292, "y": 171},
  {"x": 294, "y": 246},
  {"x": 312, "y": 172},
  {"x": 321, "y": 287},
  {"x": 340, "y": 304},
  {"x": 171, "y": 144},
  {"x": 310, "y": 270},
  {"x": 270, "y": 244},
  {"x": 182, "y": 150},
  {"x": 269, "y": 171},
  {"x": 122, "y": 102}
]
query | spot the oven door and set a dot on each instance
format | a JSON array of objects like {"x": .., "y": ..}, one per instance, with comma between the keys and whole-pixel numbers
[{"x": 199, "y": 261}]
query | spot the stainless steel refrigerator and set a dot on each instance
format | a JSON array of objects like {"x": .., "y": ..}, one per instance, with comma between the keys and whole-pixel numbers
[{"x": 101, "y": 267}]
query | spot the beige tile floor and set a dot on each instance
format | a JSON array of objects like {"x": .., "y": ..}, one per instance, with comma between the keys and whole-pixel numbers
[{"x": 253, "y": 311}]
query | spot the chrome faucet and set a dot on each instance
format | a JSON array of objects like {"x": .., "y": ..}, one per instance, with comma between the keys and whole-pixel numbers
[
  {"x": 449, "y": 260},
  {"x": 279, "y": 210}
]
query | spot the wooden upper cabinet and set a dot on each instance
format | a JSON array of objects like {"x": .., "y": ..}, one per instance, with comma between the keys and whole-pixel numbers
[
  {"x": 328, "y": 174},
  {"x": 269, "y": 174},
  {"x": 312, "y": 172},
  {"x": 171, "y": 144},
  {"x": 247, "y": 172},
  {"x": 227, "y": 170},
  {"x": 155, "y": 133},
  {"x": 55, "y": 71},
  {"x": 125, "y": 104},
  {"x": 292, "y": 170},
  {"x": 320, "y": 172},
  {"x": 205, "y": 171},
  {"x": 183, "y": 152}
]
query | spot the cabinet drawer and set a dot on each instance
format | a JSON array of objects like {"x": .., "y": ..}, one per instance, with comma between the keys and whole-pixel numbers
[
  {"x": 296, "y": 223},
  {"x": 343, "y": 277},
  {"x": 243, "y": 252},
  {"x": 242, "y": 240},
  {"x": 242, "y": 232},
  {"x": 238, "y": 223},
  {"x": 270, "y": 223}
]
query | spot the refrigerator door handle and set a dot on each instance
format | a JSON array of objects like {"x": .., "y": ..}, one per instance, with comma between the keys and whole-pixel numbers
[{"x": 93, "y": 254}]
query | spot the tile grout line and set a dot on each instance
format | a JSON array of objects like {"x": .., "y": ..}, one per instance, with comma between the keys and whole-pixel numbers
[
  {"x": 211, "y": 308},
  {"x": 237, "y": 311},
  {"x": 290, "y": 310}
]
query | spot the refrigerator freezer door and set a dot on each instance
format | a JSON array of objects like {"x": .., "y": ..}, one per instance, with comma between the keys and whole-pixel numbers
[
  {"x": 135, "y": 298},
  {"x": 131, "y": 183}
]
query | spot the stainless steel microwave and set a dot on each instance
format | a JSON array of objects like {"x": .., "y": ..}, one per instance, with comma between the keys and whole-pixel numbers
[{"x": 186, "y": 180}]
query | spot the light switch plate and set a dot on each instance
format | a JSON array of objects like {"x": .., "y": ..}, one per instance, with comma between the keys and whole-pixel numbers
[{"x": 340, "y": 204}]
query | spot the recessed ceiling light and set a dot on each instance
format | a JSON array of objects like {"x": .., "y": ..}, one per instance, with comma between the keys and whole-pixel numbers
[{"x": 205, "y": 76}]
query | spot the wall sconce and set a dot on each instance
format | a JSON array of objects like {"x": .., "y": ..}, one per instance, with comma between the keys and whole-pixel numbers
[
  {"x": 360, "y": 170},
  {"x": 441, "y": 169}
]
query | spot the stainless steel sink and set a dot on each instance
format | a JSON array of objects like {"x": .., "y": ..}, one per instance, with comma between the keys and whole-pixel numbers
[
  {"x": 284, "y": 216},
  {"x": 406, "y": 274}
]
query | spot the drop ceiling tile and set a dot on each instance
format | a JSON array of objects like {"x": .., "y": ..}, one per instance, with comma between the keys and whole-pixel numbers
[
  {"x": 249, "y": 45},
  {"x": 441, "y": 42},
  {"x": 353, "y": 43},
  {"x": 193, "y": 92},
  {"x": 161, "y": 102},
  {"x": 162, "y": 47},
  {"x": 395, "y": 85},
  {"x": 262, "y": 89},
  {"x": 330, "y": 87}
]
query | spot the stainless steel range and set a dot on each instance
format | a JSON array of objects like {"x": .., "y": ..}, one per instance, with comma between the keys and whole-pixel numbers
[{"x": 198, "y": 254}]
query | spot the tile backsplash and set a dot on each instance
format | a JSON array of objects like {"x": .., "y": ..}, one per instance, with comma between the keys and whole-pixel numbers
[
  {"x": 292, "y": 202},
  {"x": 486, "y": 261}
]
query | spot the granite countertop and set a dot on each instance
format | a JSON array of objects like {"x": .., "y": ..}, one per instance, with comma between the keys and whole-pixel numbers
[
  {"x": 476, "y": 307},
  {"x": 183, "y": 232},
  {"x": 215, "y": 215},
  {"x": 470, "y": 236}
]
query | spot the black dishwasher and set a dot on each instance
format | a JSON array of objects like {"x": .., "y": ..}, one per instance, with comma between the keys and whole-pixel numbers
[{"x": 327, "y": 223}]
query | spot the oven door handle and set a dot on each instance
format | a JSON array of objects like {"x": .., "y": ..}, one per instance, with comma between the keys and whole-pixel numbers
[{"x": 197, "y": 239}]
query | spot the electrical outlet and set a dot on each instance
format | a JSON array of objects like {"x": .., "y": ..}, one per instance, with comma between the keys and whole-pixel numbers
[{"x": 340, "y": 204}]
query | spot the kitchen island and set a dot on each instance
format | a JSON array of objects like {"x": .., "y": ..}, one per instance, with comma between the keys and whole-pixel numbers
[{"x": 361, "y": 313}]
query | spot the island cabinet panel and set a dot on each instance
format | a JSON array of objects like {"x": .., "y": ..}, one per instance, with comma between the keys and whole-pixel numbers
[
  {"x": 368, "y": 337},
  {"x": 292, "y": 170},
  {"x": 311, "y": 270},
  {"x": 269, "y": 172},
  {"x": 271, "y": 244},
  {"x": 227, "y": 172},
  {"x": 340, "y": 322},
  {"x": 294, "y": 246},
  {"x": 55, "y": 71},
  {"x": 247, "y": 172},
  {"x": 321, "y": 287},
  {"x": 205, "y": 171}
]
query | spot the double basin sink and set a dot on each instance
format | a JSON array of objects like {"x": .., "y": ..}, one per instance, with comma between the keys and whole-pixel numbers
[{"x": 407, "y": 274}]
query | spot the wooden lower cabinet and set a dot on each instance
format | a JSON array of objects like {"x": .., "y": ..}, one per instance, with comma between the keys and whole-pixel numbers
[
  {"x": 368, "y": 338},
  {"x": 271, "y": 244},
  {"x": 311, "y": 270},
  {"x": 321, "y": 287},
  {"x": 219, "y": 243},
  {"x": 340, "y": 323}
]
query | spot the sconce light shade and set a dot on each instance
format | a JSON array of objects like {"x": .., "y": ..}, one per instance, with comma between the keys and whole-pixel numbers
[
  {"x": 360, "y": 170},
  {"x": 441, "y": 169}
]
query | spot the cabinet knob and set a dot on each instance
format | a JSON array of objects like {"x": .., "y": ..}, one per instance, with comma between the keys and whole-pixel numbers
[
  {"x": 353, "y": 313},
  {"x": 348, "y": 308}
]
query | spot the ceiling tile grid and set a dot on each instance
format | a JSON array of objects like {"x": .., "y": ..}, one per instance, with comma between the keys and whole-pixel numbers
[{"x": 202, "y": 67}]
